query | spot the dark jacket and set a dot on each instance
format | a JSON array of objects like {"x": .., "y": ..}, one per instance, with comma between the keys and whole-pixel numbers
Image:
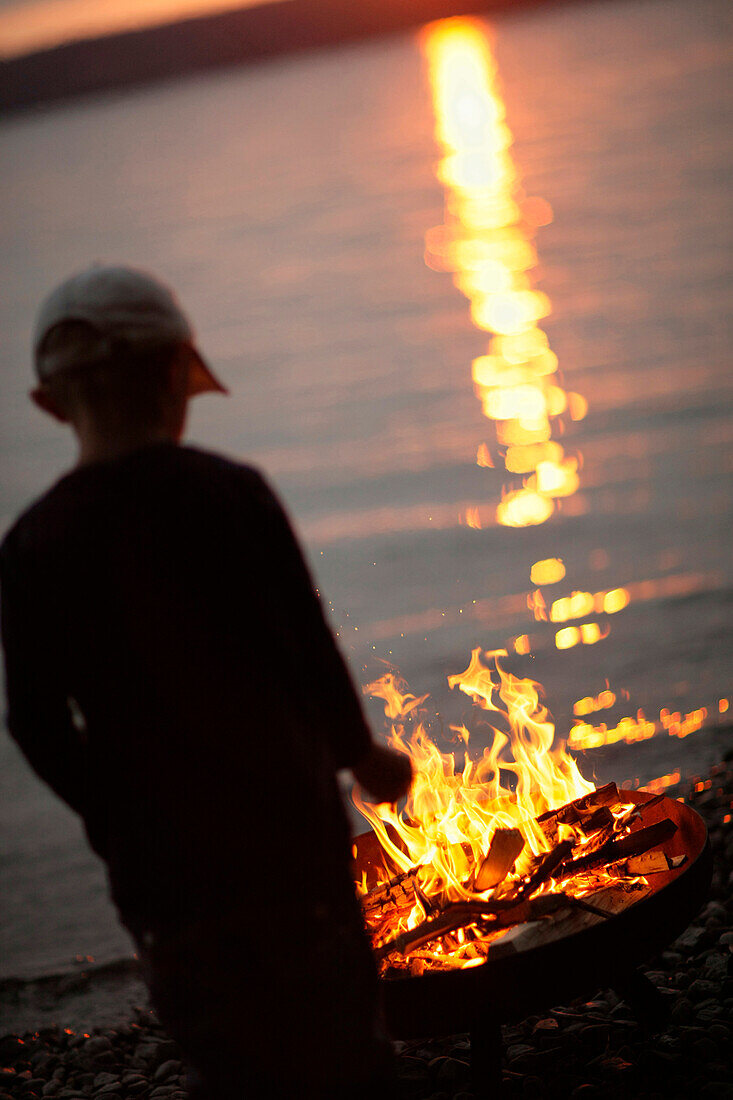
[{"x": 171, "y": 675}]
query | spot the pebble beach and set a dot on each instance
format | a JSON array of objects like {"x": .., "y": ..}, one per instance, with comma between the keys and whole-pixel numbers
[{"x": 595, "y": 1050}]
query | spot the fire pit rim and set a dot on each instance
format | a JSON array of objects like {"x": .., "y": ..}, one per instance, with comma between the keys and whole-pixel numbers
[{"x": 514, "y": 985}]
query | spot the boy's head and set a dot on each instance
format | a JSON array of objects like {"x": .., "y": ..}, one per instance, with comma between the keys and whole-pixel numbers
[{"x": 112, "y": 346}]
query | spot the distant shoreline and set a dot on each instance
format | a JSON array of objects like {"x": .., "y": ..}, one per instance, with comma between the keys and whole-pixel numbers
[{"x": 216, "y": 41}]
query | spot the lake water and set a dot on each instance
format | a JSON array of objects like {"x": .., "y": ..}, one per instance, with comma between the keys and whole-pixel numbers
[{"x": 288, "y": 203}]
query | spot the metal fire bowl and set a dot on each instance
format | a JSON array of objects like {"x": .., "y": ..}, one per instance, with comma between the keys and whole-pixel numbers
[{"x": 515, "y": 985}]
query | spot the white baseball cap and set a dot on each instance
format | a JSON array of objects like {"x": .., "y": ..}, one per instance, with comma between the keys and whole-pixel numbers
[{"x": 126, "y": 308}]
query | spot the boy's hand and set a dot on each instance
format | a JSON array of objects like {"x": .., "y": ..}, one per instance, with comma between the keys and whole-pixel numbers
[{"x": 385, "y": 774}]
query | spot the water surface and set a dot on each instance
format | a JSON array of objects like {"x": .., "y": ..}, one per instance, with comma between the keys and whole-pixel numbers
[{"x": 288, "y": 203}]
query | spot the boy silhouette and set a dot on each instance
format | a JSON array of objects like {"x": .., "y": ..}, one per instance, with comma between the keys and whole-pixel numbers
[{"x": 170, "y": 674}]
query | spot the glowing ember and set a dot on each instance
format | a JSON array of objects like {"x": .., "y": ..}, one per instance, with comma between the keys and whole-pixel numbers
[
  {"x": 486, "y": 242},
  {"x": 460, "y": 823}
]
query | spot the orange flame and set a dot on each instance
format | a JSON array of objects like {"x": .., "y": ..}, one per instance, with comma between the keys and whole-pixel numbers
[{"x": 451, "y": 814}]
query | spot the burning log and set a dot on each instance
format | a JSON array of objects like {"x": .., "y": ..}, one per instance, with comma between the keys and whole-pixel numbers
[
  {"x": 518, "y": 908},
  {"x": 510, "y": 894},
  {"x": 576, "y": 917},
  {"x": 486, "y": 917},
  {"x": 506, "y": 844},
  {"x": 635, "y": 812},
  {"x": 590, "y": 813},
  {"x": 601, "y": 818},
  {"x": 635, "y": 844},
  {"x": 513, "y": 904},
  {"x": 454, "y": 917},
  {"x": 546, "y": 867},
  {"x": 631, "y": 813},
  {"x": 433, "y": 915},
  {"x": 597, "y": 840},
  {"x": 464, "y": 913},
  {"x": 648, "y": 864},
  {"x": 574, "y": 813},
  {"x": 652, "y": 863},
  {"x": 394, "y": 896}
]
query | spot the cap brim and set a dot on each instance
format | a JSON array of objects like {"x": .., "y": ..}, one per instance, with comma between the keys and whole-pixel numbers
[{"x": 201, "y": 379}]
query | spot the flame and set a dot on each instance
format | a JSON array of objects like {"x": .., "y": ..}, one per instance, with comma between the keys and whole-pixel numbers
[
  {"x": 487, "y": 243},
  {"x": 452, "y": 812}
]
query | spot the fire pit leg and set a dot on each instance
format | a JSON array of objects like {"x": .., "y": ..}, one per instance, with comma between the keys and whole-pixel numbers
[
  {"x": 486, "y": 1056},
  {"x": 644, "y": 998}
]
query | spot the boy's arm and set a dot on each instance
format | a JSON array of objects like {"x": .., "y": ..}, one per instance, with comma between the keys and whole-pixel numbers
[
  {"x": 38, "y": 714},
  {"x": 321, "y": 677},
  {"x": 324, "y": 679}
]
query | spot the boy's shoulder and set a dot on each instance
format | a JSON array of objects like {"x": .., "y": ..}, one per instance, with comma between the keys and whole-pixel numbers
[
  {"x": 211, "y": 463},
  {"x": 216, "y": 474},
  {"x": 159, "y": 472}
]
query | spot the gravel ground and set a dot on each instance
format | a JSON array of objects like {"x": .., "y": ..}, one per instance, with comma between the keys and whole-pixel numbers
[{"x": 594, "y": 1050}]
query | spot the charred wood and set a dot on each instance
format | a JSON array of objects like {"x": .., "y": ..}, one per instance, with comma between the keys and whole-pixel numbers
[
  {"x": 464, "y": 913},
  {"x": 631, "y": 813},
  {"x": 599, "y": 839},
  {"x": 635, "y": 844},
  {"x": 601, "y": 818},
  {"x": 506, "y": 844},
  {"x": 651, "y": 863},
  {"x": 546, "y": 867},
  {"x": 397, "y": 894},
  {"x": 572, "y": 813}
]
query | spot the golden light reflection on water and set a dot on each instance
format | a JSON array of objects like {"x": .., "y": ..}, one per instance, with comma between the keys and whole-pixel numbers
[
  {"x": 656, "y": 786},
  {"x": 589, "y": 703},
  {"x": 580, "y": 604},
  {"x": 487, "y": 242},
  {"x": 585, "y": 634},
  {"x": 547, "y": 571},
  {"x": 584, "y": 735}
]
